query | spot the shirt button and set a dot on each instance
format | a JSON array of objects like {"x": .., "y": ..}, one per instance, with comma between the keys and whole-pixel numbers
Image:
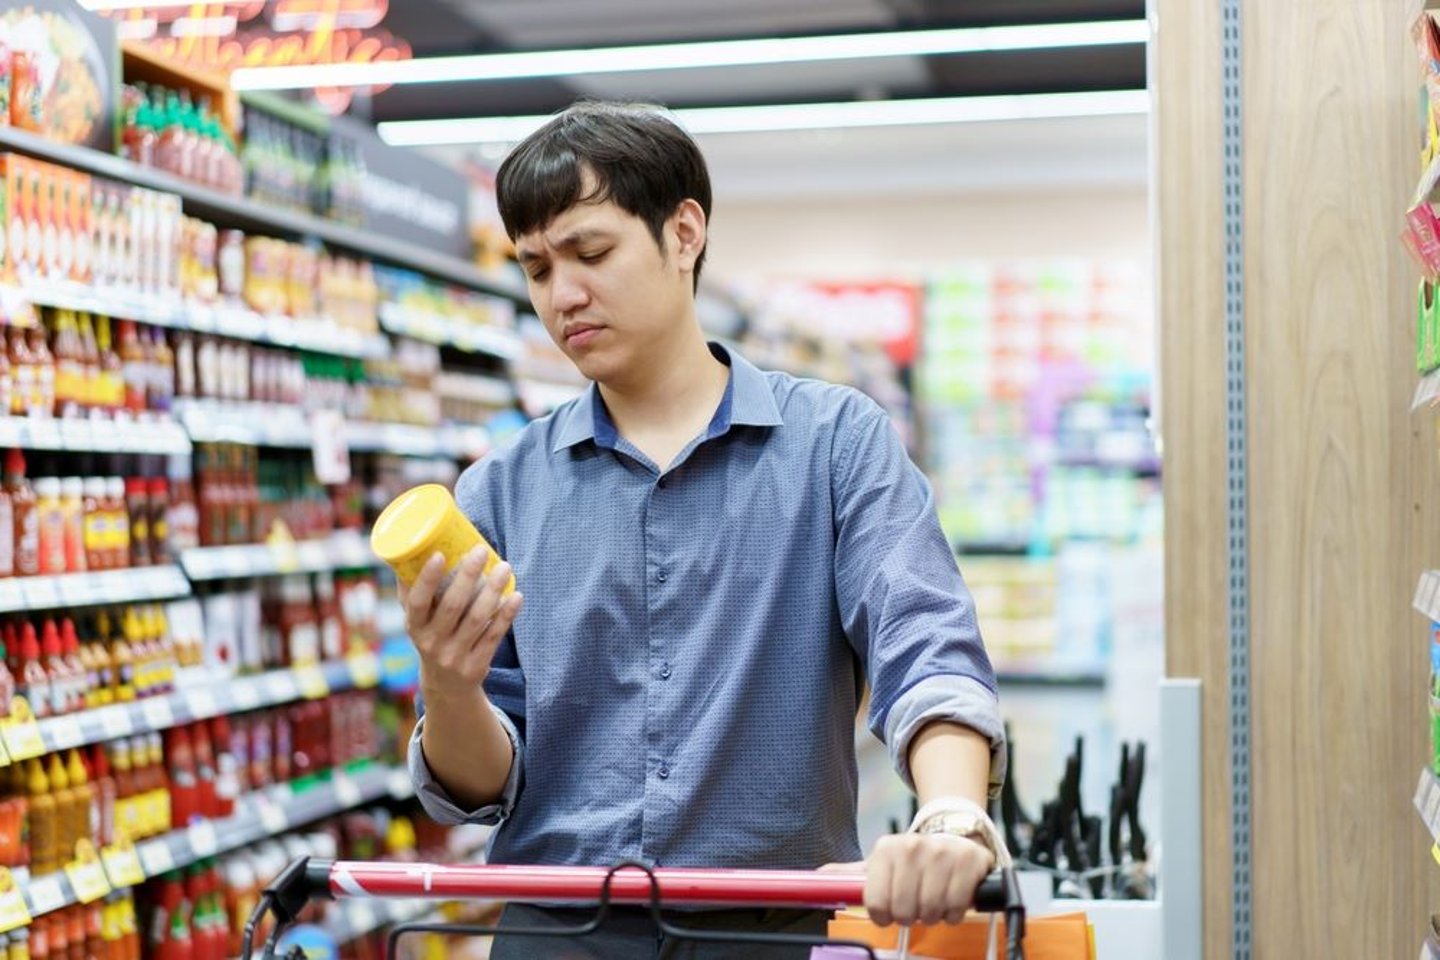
[
  {"x": 661, "y": 576},
  {"x": 663, "y": 773},
  {"x": 665, "y": 671}
]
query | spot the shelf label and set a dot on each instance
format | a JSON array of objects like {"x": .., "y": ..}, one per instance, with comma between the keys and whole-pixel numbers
[
  {"x": 245, "y": 695},
  {"x": 157, "y": 858},
  {"x": 399, "y": 785},
  {"x": 280, "y": 687},
  {"x": 21, "y": 733},
  {"x": 347, "y": 791},
  {"x": 40, "y": 593},
  {"x": 122, "y": 864},
  {"x": 364, "y": 669},
  {"x": 312, "y": 556},
  {"x": 64, "y": 732},
  {"x": 11, "y": 596},
  {"x": 76, "y": 590},
  {"x": 236, "y": 562},
  {"x": 158, "y": 713},
  {"x": 86, "y": 873},
  {"x": 272, "y": 817},
  {"x": 14, "y": 913},
  {"x": 116, "y": 722},
  {"x": 199, "y": 563},
  {"x": 46, "y": 894},
  {"x": 312, "y": 682},
  {"x": 202, "y": 838},
  {"x": 201, "y": 702},
  {"x": 110, "y": 588},
  {"x": 43, "y": 434}
]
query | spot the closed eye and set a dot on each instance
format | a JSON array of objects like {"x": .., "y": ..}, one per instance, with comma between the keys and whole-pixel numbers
[{"x": 594, "y": 257}]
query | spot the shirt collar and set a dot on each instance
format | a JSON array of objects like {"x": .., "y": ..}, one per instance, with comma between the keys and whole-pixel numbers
[{"x": 748, "y": 396}]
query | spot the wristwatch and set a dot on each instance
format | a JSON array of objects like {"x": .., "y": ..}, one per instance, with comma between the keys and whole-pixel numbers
[{"x": 958, "y": 817}]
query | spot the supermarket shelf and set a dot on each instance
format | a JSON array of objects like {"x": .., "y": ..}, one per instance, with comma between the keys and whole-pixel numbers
[
  {"x": 211, "y": 204},
  {"x": 1143, "y": 465},
  {"x": 230, "y": 320},
  {"x": 1427, "y": 802},
  {"x": 208, "y": 697},
  {"x": 257, "y": 816},
  {"x": 541, "y": 396},
  {"x": 445, "y": 332},
  {"x": 281, "y": 425},
  {"x": 449, "y": 440},
  {"x": 342, "y": 550},
  {"x": 359, "y": 917},
  {"x": 163, "y": 436},
  {"x": 92, "y": 589},
  {"x": 1427, "y": 595},
  {"x": 1050, "y": 678}
]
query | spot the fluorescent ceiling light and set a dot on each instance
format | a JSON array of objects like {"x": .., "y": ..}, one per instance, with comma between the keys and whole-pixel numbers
[
  {"x": 101, "y": 6},
  {"x": 800, "y": 116},
  {"x": 685, "y": 56}
]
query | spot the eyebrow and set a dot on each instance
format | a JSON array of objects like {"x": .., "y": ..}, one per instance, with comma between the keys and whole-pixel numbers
[{"x": 568, "y": 242}]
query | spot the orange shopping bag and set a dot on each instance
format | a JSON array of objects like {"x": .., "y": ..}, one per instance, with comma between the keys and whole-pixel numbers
[{"x": 1059, "y": 937}]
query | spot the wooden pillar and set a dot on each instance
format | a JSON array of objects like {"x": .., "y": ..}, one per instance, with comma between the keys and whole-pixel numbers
[{"x": 1344, "y": 503}]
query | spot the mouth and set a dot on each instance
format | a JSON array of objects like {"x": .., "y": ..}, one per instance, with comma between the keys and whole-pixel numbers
[{"x": 579, "y": 334}]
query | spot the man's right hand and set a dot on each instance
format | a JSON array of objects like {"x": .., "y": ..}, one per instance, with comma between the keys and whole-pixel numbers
[{"x": 456, "y": 630}]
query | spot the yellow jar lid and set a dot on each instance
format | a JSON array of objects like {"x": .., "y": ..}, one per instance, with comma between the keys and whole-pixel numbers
[{"x": 411, "y": 524}]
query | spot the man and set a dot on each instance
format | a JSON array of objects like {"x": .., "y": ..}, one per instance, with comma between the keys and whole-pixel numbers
[{"x": 714, "y": 561}]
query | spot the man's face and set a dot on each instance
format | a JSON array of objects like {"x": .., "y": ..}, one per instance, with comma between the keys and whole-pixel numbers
[{"x": 606, "y": 292}]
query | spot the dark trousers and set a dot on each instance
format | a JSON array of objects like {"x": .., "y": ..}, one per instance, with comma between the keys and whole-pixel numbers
[{"x": 629, "y": 933}]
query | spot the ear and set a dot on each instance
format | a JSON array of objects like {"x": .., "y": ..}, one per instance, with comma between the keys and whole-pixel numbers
[{"x": 686, "y": 231}]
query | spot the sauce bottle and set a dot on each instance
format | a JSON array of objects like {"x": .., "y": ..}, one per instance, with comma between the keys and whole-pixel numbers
[
  {"x": 7, "y": 683},
  {"x": 227, "y": 767},
  {"x": 98, "y": 555},
  {"x": 161, "y": 545},
  {"x": 22, "y": 372},
  {"x": 25, "y": 518},
  {"x": 162, "y": 365},
  {"x": 72, "y": 512},
  {"x": 34, "y": 678},
  {"x": 132, "y": 362},
  {"x": 137, "y": 505},
  {"x": 127, "y": 811},
  {"x": 69, "y": 367},
  {"x": 68, "y": 815},
  {"x": 161, "y": 791},
  {"x": 104, "y": 671},
  {"x": 62, "y": 682},
  {"x": 105, "y": 794},
  {"x": 140, "y": 658},
  {"x": 92, "y": 391},
  {"x": 42, "y": 401},
  {"x": 184, "y": 788},
  {"x": 112, "y": 376},
  {"x": 7, "y": 534},
  {"x": 89, "y": 825},
  {"x": 123, "y": 658},
  {"x": 51, "y": 521},
  {"x": 119, "y": 521},
  {"x": 83, "y": 674},
  {"x": 44, "y": 822}
]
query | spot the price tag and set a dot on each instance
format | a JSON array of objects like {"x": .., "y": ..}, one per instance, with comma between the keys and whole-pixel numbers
[
  {"x": 43, "y": 434},
  {"x": 312, "y": 683},
  {"x": 362, "y": 918},
  {"x": 76, "y": 590},
  {"x": 346, "y": 791},
  {"x": 64, "y": 732},
  {"x": 272, "y": 817},
  {"x": 122, "y": 864},
  {"x": 21, "y": 733},
  {"x": 331, "y": 454},
  {"x": 11, "y": 432},
  {"x": 158, "y": 714},
  {"x": 14, "y": 913},
  {"x": 77, "y": 435},
  {"x": 280, "y": 687},
  {"x": 40, "y": 593},
  {"x": 399, "y": 785},
  {"x": 11, "y": 596},
  {"x": 237, "y": 562},
  {"x": 202, "y": 838},
  {"x": 201, "y": 702},
  {"x": 116, "y": 722},
  {"x": 156, "y": 858},
  {"x": 364, "y": 669},
  {"x": 246, "y": 695},
  {"x": 46, "y": 894},
  {"x": 112, "y": 587},
  {"x": 87, "y": 873}
]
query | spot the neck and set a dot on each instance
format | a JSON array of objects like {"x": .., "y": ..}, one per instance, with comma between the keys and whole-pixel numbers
[{"x": 681, "y": 380}]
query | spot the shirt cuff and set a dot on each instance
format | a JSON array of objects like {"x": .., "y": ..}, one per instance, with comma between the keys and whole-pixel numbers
[
  {"x": 950, "y": 697},
  {"x": 437, "y": 802}
]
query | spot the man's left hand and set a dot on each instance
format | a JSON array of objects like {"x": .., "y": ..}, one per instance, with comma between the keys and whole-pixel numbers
[{"x": 922, "y": 878}]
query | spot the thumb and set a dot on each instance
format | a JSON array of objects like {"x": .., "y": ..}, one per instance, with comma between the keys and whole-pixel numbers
[{"x": 855, "y": 866}]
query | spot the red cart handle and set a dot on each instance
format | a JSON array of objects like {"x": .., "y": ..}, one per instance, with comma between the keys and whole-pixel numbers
[{"x": 532, "y": 884}]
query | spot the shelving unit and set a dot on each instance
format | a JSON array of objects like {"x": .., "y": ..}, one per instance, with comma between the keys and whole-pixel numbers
[
  {"x": 346, "y": 549},
  {"x": 210, "y": 204},
  {"x": 258, "y": 815},
  {"x": 281, "y": 425},
  {"x": 139, "y": 585},
  {"x": 156, "y": 436}
]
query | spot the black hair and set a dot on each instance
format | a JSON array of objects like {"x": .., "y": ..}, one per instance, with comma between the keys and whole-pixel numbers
[{"x": 640, "y": 159}]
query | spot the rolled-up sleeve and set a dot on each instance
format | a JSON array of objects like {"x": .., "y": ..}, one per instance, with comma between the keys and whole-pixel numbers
[
  {"x": 904, "y": 606},
  {"x": 437, "y": 802}
]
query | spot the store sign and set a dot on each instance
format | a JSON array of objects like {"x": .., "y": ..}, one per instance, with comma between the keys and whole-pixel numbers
[
  {"x": 226, "y": 36},
  {"x": 407, "y": 195},
  {"x": 63, "y": 71}
]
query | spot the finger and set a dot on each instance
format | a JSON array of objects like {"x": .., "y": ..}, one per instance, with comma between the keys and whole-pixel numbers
[
  {"x": 419, "y": 597},
  {"x": 878, "y": 872},
  {"x": 492, "y": 632},
  {"x": 933, "y": 874},
  {"x": 854, "y": 866},
  {"x": 905, "y": 888},
  {"x": 958, "y": 896},
  {"x": 485, "y": 605},
  {"x": 459, "y": 593}
]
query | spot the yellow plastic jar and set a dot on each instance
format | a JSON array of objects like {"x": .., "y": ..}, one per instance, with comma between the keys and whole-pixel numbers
[{"x": 421, "y": 522}]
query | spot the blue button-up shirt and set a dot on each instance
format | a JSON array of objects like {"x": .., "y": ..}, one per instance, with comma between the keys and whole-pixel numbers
[{"x": 682, "y": 684}]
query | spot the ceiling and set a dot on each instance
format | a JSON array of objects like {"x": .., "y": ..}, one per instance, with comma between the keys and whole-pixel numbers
[{"x": 971, "y": 156}]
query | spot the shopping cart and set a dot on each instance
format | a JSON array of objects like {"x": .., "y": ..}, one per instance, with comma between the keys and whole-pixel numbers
[{"x": 628, "y": 882}]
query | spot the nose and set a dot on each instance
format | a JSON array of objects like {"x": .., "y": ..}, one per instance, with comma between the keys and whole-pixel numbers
[{"x": 567, "y": 291}]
